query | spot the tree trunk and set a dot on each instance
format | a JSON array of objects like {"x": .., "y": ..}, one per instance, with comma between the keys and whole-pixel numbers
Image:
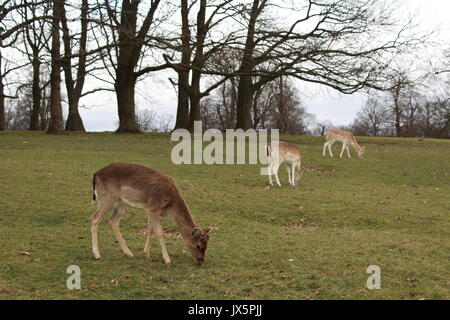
[
  {"x": 56, "y": 117},
  {"x": 2, "y": 92},
  {"x": 183, "y": 101},
  {"x": 125, "y": 89},
  {"x": 197, "y": 63},
  {"x": 244, "y": 103},
  {"x": 74, "y": 121},
  {"x": 398, "y": 125},
  {"x": 183, "y": 75},
  {"x": 2, "y": 103},
  {"x": 75, "y": 88},
  {"x": 36, "y": 91},
  {"x": 195, "y": 113},
  {"x": 195, "y": 97},
  {"x": 129, "y": 50},
  {"x": 246, "y": 90},
  {"x": 282, "y": 112}
]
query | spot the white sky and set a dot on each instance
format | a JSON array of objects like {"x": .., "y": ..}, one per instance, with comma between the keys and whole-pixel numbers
[{"x": 325, "y": 103}]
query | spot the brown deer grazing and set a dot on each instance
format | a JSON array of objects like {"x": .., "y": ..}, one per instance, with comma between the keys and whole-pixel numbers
[
  {"x": 346, "y": 138},
  {"x": 120, "y": 185},
  {"x": 279, "y": 153}
]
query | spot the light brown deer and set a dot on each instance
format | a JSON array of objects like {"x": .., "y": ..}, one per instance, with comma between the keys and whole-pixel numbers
[
  {"x": 120, "y": 185},
  {"x": 346, "y": 138},
  {"x": 279, "y": 153}
]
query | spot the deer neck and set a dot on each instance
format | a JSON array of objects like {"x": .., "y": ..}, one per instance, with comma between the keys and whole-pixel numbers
[
  {"x": 356, "y": 146},
  {"x": 183, "y": 220}
]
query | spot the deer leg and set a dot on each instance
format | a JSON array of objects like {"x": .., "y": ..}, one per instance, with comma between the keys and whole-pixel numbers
[
  {"x": 157, "y": 229},
  {"x": 275, "y": 172},
  {"x": 344, "y": 146},
  {"x": 288, "y": 169},
  {"x": 102, "y": 209},
  {"x": 329, "y": 149},
  {"x": 325, "y": 145},
  {"x": 114, "y": 225},
  {"x": 348, "y": 152},
  {"x": 293, "y": 173},
  {"x": 270, "y": 171},
  {"x": 147, "y": 242}
]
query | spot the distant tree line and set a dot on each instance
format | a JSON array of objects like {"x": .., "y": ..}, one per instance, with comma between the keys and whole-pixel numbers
[
  {"x": 412, "y": 108},
  {"x": 232, "y": 62}
]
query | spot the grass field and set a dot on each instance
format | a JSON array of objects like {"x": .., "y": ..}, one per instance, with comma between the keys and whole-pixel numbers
[{"x": 313, "y": 241}]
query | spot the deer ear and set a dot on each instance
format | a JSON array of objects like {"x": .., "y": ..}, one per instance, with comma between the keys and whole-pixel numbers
[
  {"x": 195, "y": 232},
  {"x": 210, "y": 229}
]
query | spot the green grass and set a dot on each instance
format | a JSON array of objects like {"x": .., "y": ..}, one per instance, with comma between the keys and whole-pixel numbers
[{"x": 313, "y": 241}]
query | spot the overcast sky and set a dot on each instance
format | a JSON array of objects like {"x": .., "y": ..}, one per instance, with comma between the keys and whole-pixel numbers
[{"x": 324, "y": 103}]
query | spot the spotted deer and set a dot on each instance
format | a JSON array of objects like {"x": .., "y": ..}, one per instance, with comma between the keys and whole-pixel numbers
[
  {"x": 346, "y": 138},
  {"x": 279, "y": 153},
  {"x": 120, "y": 185}
]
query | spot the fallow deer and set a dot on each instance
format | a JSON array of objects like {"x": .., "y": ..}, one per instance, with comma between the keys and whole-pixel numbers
[
  {"x": 279, "y": 153},
  {"x": 346, "y": 138},
  {"x": 120, "y": 185}
]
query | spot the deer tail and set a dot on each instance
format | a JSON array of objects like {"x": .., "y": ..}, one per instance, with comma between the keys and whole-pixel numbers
[{"x": 94, "y": 193}]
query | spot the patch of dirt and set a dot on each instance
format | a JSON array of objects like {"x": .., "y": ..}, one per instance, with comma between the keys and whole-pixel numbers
[
  {"x": 321, "y": 170},
  {"x": 299, "y": 224}
]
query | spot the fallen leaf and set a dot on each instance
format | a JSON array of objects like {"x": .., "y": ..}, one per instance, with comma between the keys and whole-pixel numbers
[
  {"x": 144, "y": 233},
  {"x": 24, "y": 253},
  {"x": 114, "y": 281},
  {"x": 93, "y": 286},
  {"x": 352, "y": 272}
]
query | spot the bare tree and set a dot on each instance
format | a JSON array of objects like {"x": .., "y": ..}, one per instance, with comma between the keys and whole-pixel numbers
[
  {"x": 372, "y": 118},
  {"x": 36, "y": 37},
  {"x": 164, "y": 122},
  {"x": 56, "y": 121},
  {"x": 146, "y": 120},
  {"x": 11, "y": 26},
  {"x": 75, "y": 86},
  {"x": 275, "y": 105},
  {"x": 331, "y": 43},
  {"x": 2, "y": 88},
  {"x": 125, "y": 43},
  {"x": 182, "y": 119},
  {"x": 196, "y": 53}
]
